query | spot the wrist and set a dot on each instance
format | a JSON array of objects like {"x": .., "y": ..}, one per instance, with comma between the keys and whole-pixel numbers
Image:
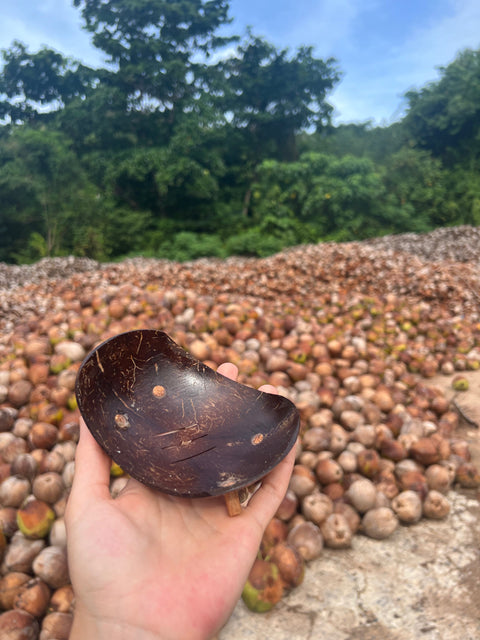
[{"x": 87, "y": 626}]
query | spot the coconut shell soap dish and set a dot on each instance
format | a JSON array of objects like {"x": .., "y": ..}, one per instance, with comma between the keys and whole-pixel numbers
[{"x": 174, "y": 424}]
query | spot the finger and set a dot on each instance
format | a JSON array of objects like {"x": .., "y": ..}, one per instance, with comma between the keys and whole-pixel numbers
[
  {"x": 92, "y": 469},
  {"x": 229, "y": 370},
  {"x": 274, "y": 486},
  {"x": 268, "y": 388},
  {"x": 265, "y": 502}
]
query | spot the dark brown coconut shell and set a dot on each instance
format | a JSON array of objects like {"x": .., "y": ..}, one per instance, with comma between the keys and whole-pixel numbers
[{"x": 176, "y": 425}]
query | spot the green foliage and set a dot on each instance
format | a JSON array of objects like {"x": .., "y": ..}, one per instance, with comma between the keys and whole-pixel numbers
[
  {"x": 417, "y": 190},
  {"x": 187, "y": 245},
  {"x": 35, "y": 250},
  {"x": 444, "y": 116},
  {"x": 271, "y": 95},
  {"x": 100, "y": 124},
  {"x": 152, "y": 42},
  {"x": 123, "y": 229},
  {"x": 44, "y": 79},
  {"x": 44, "y": 194},
  {"x": 164, "y": 153},
  {"x": 253, "y": 243},
  {"x": 327, "y": 193},
  {"x": 463, "y": 202},
  {"x": 168, "y": 182},
  {"x": 376, "y": 143}
]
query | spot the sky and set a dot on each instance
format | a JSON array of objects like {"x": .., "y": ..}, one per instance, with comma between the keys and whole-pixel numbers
[{"x": 383, "y": 48}]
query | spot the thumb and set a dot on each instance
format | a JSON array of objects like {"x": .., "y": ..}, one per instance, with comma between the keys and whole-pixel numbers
[{"x": 92, "y": 471}]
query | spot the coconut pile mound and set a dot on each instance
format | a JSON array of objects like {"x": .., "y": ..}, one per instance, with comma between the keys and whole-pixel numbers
[
  {"x": 351, "y": 333},
  {"x": 460, "y": 244}
]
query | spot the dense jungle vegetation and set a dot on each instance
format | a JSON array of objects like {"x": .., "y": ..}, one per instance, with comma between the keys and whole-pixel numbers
[{"x": 171, "y": 150}]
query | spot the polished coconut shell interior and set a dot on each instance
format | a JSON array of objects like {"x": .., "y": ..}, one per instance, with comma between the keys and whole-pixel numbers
[{"x": 176, "y": 425}]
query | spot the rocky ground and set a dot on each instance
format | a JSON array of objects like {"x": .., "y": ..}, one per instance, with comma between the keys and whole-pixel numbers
[
  {"x": 366, "y": 338},
  {"x": 423, "y": 583}
]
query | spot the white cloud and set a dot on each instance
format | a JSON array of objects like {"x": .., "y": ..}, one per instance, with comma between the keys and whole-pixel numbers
[
  {"x": 375, "y": 102},
  {"x": 375, "y": 87},
  {"x": 12, "y": 28},
  {"x": 437, "y": 44},
  {"x": 55, "y": 24},
  {"x": 328, "y": 25}
]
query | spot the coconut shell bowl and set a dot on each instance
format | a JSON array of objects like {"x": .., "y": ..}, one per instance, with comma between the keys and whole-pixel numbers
[{"x": 176, "y": 425}]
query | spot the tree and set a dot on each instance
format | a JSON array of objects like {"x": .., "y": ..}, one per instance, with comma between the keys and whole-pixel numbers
[
  {"x": 156, "y": 75},
  {"x": 152, "y": 45},
  {"x": 337, "y": 198},
  {"x": 416, "y": 186},
  {"x": 376, "y": 143},
  {"x": 463, "y": 203},
  {"x": 272, "y": 96},
  {"x": 269, "y": 96},
  {"x": 155, "y": 72},
  {"x": 35, "y": 85},
  {"x": 48, "y": 205},
  {"x": 444, "y": 116},
  {"x": 103, "y": 123}
]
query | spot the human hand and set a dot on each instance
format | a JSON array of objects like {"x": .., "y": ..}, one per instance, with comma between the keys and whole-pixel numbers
[{"x": 147, "y": 565}]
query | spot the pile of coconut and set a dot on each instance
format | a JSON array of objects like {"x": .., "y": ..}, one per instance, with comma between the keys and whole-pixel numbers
[{"x": 351, "y": 333}]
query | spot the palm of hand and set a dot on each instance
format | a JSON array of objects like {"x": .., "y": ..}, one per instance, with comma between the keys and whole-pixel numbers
[
  {"x": 158, "y": 556},
  {"x": 164, "y": 566}
]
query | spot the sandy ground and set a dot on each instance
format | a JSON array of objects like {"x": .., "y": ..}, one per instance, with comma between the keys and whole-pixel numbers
[{"x": 423, "y": 583}]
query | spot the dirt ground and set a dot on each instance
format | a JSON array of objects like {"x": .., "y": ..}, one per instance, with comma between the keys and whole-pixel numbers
[{"x": 423, "y": 583}]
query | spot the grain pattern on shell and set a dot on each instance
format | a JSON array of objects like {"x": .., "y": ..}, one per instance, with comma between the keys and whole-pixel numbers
[{"x": 176, "y": 425}]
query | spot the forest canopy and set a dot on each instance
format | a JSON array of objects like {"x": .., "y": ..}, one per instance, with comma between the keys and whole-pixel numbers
[{"x": 176, "y": 150}]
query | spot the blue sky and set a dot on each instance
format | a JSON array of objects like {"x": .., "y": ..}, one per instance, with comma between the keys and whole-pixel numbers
[{"x": 383, "y": 47}]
